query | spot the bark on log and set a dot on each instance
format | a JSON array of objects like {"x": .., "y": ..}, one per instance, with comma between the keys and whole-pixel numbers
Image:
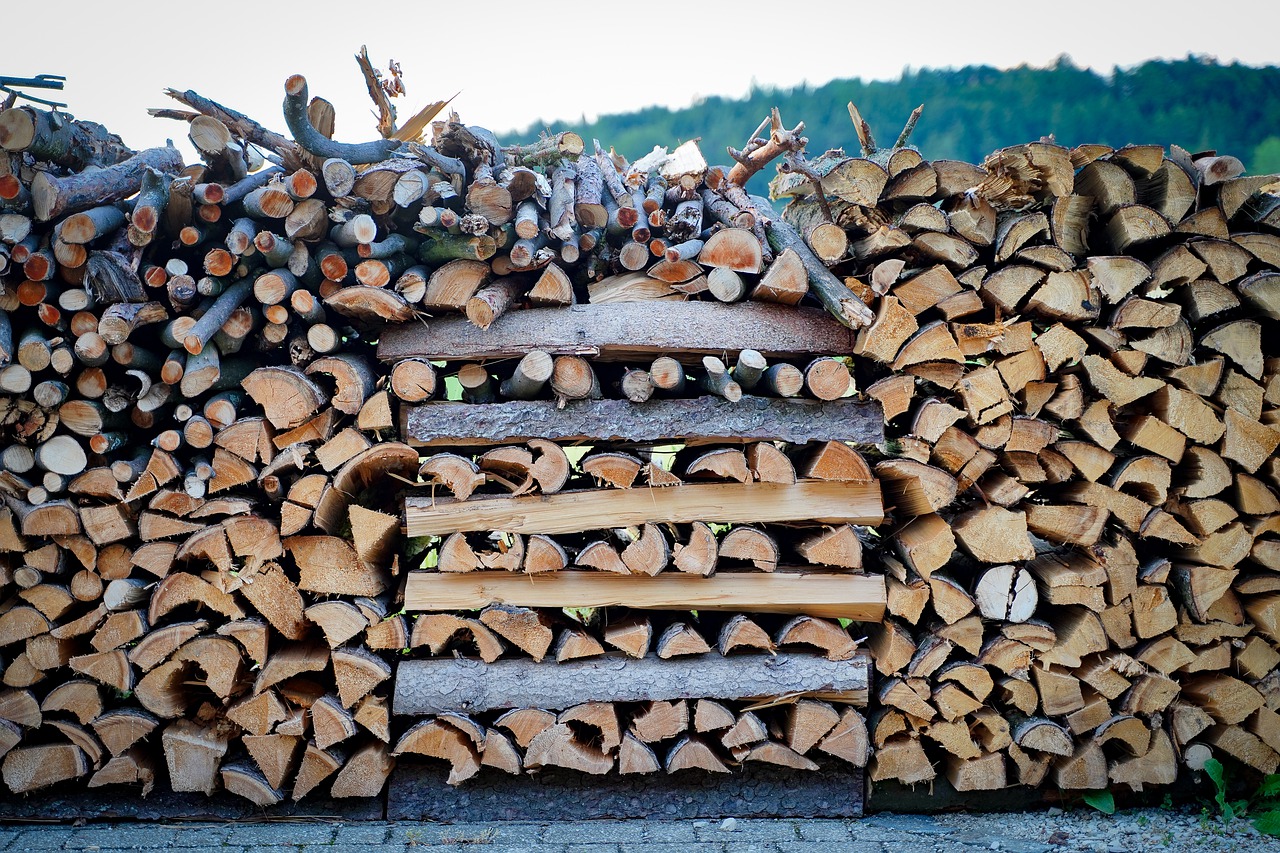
[
  {"x": 623, "y": 331},
  {"x": 839, "y": 300},
  {"x": 53, "y": 196},
  {"x": 318, "y": 145},
  {"x": 443, "y": 686},
  {"x": 750, "y": 419}
]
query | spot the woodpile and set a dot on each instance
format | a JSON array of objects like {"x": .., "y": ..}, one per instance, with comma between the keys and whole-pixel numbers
[
  {"x": 1004, "y": 433},
  {"x": 1080, "y": 476}
]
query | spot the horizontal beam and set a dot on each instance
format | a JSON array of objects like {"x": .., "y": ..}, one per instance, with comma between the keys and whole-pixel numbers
[
  {"x": 626, "y": 331},
  {"x": 710, "y": 418},
  {"x": 444, "y": 685},
  {"x": 831, "y": 596},
  {"x": 826, "y": 501}
]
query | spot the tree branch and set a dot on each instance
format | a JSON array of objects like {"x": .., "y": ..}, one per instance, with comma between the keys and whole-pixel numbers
[
  {"x": 756, "y": 158},
  {"x": 314, "y": 142},
  {"x": 909, "y": 126},
  {"x": 865, "y": 139},
  {"x": 373, "y": 81}
]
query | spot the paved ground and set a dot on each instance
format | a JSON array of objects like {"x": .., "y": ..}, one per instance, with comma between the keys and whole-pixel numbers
[{"x": 1039, "y": 832}]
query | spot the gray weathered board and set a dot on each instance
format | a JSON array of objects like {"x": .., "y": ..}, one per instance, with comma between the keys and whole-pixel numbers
[
  {"x": 444, "y": 685},
  {"x": 709, "y": 418},
  {"x": 418, "y": 792},
  {"x": 626, "y": 331}
]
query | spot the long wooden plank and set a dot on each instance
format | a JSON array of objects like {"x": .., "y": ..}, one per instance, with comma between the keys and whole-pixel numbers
[
  {"x": 595, "y": 509},
  {"x": 711, "y": 418},
  {"x": 832, "y": 596},
  {"x": 616, "y": 331},
  {"x": 443, "y": 685}
]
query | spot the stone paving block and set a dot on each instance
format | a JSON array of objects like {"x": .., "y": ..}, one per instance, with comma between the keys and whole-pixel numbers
[
  {"x": 517, "y": 847},
  {"x": 594, "y": 831},
  {"x": 360, "y": 833},
  {"x": 669, "y": 830},
  {"x": 162, "y": 836},
  {"x": 688, "y": 847},
  {"x": 43, "y": 838},
  {"x": 285, "y": 833},
  {"x": 825, "y": 830},
  {"x": 908, "y": 823},
  {"x": 755, "y": 830},
  {"x": 300, "y": 847},
  {"x": 462, "y": 833}
]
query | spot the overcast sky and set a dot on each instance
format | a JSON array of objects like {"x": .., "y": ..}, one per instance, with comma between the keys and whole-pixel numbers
[{"x": 516, "y": 63}]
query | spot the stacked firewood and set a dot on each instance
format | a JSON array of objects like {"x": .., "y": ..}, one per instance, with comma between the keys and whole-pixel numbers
[
  {"x": 200, "y": 530},
  {"x": 197, "y": 567},
  {"x": 650, "y": 380},
  {"x": 1085, "y": 529},
  {"x": 1080, "y": 477},
  {"x": 498, "y": 716}
]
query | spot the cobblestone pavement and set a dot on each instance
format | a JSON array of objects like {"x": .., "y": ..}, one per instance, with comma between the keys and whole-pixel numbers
[{"x": 1037, "y": 832}]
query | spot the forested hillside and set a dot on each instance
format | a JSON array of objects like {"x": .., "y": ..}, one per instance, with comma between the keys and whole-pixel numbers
[{"x": 969, "y": 112}]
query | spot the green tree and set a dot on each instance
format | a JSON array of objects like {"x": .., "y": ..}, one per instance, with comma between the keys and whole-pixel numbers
[
  {"x": 1266, "y": 157},
  {"x": 969, "y": 112}
]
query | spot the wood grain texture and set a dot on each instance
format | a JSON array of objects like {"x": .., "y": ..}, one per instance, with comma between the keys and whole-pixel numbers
[
  {"x": 573, "y": 512},
  {"x": 831, "y": 596}
]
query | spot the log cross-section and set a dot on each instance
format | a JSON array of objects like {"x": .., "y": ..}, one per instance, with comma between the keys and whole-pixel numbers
[
  {"x": 831, "y": 502},
  {"x": 833, "y": 596},
  {"x": 463, "y": 685},
  {"x": 451, "y": 424}
]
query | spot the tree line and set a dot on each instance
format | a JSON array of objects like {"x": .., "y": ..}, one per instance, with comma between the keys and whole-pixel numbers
[{"x": 1197, "y": 103}]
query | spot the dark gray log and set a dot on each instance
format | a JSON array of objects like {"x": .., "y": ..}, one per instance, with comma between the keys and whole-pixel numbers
[
  {"x": 241, "y": 188},
  {"x": 626, "y": 331},
  {"x": 305, "y": 134},
  {"x": 749, "y": 419},
  {"x": 445, "y": 685},
  {"x": 58, "y": 138},
  {"x": 55, "y": 196}
]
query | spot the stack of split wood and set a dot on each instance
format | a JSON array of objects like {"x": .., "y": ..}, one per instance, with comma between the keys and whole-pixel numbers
[
  {"x": 199, "y": 531},
  {"x": 496, "y": 715},
  {"x": 629, "y": 384},
  {"x": 1077, "y": 363},
  {"x": 1080, "y": 475}
]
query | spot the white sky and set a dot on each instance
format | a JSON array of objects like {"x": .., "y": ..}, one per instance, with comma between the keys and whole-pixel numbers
[{"x": 516, "y": 63}]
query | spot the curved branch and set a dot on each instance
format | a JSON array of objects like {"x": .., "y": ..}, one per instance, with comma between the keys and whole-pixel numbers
[
  {"x": 295, "y": 115},
  {"x": 758, "y": 152}
]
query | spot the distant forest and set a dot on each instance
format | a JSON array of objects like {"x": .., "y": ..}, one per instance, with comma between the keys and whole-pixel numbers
[{"x": 969, "y": 112}]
